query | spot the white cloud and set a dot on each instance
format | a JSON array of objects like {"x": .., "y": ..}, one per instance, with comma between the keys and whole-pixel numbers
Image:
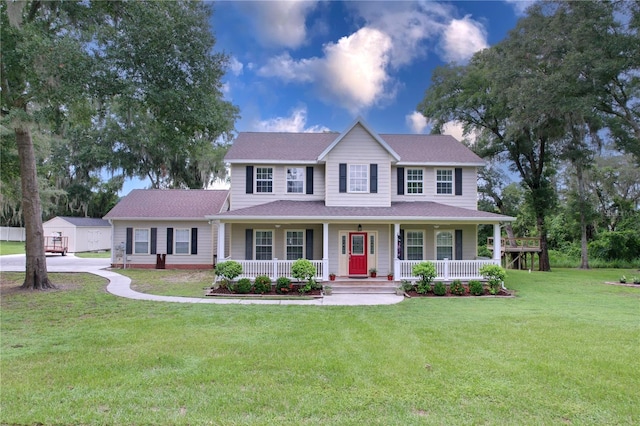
[
  {"x": 520, "y": 6},
  {"x": 280, "y": 23},
  {"x": 295, "y": 123},
  {"x": 416, "y": 122},
  {"x": 462, "y": 38},
  {"x": 235, "y": 66},
  {"x": 454, "y": 129},
  {"x": 352, "y": 72}
]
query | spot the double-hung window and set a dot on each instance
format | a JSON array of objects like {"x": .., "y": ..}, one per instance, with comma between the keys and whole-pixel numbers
[
  {"x": 295, "y": 180},
  {"x": 444, "y": 181},
  {"x": 295, "y": 245},
  {"x": 414, "y": 181},
  {"x": 415, "y": 245},
  {"x": 358, "y": 178},
  {"x": 264, "y": 179},
  {"x": 182, "y": 240},
  {"x": 264, "y": 245},
  {"x": 141, "y": 241},
  {"x": 444, "y": 245}
]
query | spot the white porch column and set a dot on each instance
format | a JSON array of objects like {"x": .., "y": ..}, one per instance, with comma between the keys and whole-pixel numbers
[
  {"x": 496, "y": 242},
  {"x": 325, "y": 251},
  {"x": 221, "y": 238},
  {"x": 396, "y": 260}
]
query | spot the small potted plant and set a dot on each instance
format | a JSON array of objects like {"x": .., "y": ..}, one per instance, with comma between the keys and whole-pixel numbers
[
  {"x": 332, "y": 276},
  {"x": 373, "y": 272},
  {"x": 328, "y": 290},
  {"x": 400, "y": 290},
  {"x": 390, "y": 276}
]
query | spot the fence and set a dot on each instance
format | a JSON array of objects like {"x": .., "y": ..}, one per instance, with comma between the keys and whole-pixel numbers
[{"x": 8, "y": 233}]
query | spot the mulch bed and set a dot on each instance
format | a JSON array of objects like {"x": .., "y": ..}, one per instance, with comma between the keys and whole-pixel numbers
[
  {"x": 293, "y": 293},
  {"x": 622, "y": 284},
  {"x": 501, "y": 293}
]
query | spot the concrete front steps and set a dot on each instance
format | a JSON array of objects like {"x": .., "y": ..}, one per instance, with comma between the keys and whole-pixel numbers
[{"x": 365, "y": 286}]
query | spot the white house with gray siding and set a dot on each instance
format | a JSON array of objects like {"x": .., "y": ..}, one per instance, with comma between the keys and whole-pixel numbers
[{"x": 352, "y": 202}]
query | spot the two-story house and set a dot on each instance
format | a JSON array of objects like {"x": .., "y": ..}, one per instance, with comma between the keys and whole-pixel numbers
[{"x": 353, "y": 202}]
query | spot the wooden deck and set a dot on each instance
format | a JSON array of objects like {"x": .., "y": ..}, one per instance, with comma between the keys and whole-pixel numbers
[{"x": 517, "y": 250}]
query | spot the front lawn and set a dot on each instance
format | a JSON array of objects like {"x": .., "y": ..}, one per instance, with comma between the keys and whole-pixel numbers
[{"x": 565, "y": 351}]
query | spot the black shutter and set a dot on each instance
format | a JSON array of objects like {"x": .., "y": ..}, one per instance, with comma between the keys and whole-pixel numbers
[
  {"x": 194, "y": 240},
  {"x": 343, "y": 177},
  {"x": 400, "y": 180},
  {"x": 401, "y": 245},
  {"x": 458, "y": 173},
  {"x": 249, "y": 182},
  {"x": 154, "y": 240},
  {"x": 373, "y": 178},
  {"x": 309, "y": 244},
  {"x": 248, "y": 244},
  {"x": 458, "y": 244},
  {"x": 310, "y": 180},
  {"x": 169, "y": 240},
  {"x": 129, "y": 241}
]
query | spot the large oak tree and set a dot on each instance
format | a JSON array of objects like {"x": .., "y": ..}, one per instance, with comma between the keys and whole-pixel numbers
[{"x": 138, "y": 80}]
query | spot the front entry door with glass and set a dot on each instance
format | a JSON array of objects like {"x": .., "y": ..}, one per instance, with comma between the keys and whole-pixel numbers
[{"x": 357, "y": 253}]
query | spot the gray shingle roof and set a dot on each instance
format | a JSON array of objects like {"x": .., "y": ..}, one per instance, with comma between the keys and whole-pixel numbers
[
  {"x": 86, "y": 221},
  {"x": 306, "y": 147},
  {"x": 169, "y": 204},
  {"x": 419, "y": 210}
]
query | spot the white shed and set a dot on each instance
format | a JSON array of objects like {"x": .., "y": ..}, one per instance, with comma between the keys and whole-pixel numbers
[{"x": 85, "y": 233}]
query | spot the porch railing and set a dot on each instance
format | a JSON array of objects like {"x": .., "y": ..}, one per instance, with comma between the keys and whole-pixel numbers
[
  {"x": 447, "y": 270},
  {"x": 274, "y": 269}
]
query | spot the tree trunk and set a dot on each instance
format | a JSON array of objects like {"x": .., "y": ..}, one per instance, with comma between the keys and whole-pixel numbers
[
  {"x": 36, "y": 277},
  {"x": 544, "y": 251},
  {"x": 584, "y": 255}
]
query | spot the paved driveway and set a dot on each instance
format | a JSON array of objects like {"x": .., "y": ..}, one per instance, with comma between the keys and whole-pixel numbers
[{"x": 55, "y": 263}]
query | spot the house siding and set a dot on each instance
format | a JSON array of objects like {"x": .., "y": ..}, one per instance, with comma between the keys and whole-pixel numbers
[
  {"x": 240, "y": 198},
  {"x": 204, "y": 258},
  {"x": 468, "y": 199},
  {"x": 238, "y": 233},
  {"x": 358, "y": 147}
]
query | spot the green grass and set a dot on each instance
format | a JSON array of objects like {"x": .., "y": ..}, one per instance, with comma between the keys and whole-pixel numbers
[
  {"x": 565, "y": 351},
  {"x": 11, "y": 247},
  {"x": 170, "y": 282},
  {"x": 94, "y": 254}
]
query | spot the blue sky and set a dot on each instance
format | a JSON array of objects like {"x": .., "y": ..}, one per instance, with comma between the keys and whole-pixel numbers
[{"x": 316, "y": 65}]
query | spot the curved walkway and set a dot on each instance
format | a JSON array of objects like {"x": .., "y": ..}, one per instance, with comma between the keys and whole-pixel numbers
[{"x": 119, "y": 285}]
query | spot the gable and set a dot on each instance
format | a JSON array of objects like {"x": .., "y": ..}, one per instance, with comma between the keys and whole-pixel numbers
[{"x": 359, "y": 125}]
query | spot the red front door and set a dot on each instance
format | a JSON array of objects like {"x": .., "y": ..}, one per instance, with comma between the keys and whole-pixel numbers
[{"x": 357, "y": 253}]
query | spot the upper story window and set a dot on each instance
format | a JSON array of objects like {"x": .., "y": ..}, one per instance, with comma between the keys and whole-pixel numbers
[
  {"x": 295, "y": 180},
  {"x": 141, "y": 241},
  {"x": 358, "y": 178},
  {"x": 264, "y": 245},
  {"x": 444, "y": 181},
  {"x": 414, "y": 181},
  {"x": 182, "y": 240},
  {"x": 264, "y": 179}
]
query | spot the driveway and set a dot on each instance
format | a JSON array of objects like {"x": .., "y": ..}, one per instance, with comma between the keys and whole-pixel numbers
[{"x": 119, "y": 285}]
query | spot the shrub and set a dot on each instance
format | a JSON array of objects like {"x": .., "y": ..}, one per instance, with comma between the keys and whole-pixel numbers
[
  {"x": 456, "y": 288},
  {"x": 262, "y": 284},
  {"x": 406, "y": 285},
  {"x": 476, "y": 288},
  {"x": 616, "y": 245},
  {"x": 635, "y": 280},
  {"x": 439, "y": 289},
  {"x": 495, "y": 276},
  {"x": 427, "y": 272},
  {"x": 283, "y": 285},
  {"x": 303, "y": 270},
  {"x": 229, "y": 269},
  {"x": 243, "y": 286}
]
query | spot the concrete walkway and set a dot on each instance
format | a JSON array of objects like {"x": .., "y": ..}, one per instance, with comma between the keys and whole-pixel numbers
[{"x": 119, "y": 285}]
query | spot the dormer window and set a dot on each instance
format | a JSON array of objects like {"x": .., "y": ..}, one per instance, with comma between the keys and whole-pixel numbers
[
  {"x": 358, "y": 178},
  {"x": 264, "y": 179},
  {"x": 295, "y": 180}
]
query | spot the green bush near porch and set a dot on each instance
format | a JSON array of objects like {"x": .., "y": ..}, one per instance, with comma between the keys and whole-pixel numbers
[{"x": 564, "y": 351}]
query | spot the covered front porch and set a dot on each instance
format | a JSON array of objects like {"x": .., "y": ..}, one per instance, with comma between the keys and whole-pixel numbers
[{"x": 354, "y": 249}]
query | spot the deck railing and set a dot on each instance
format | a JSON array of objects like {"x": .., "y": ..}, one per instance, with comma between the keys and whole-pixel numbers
[
  {"x": 447, "y": 270},
  {"x": 516, "y": 243},
  {"x": 274, "y": 269}
]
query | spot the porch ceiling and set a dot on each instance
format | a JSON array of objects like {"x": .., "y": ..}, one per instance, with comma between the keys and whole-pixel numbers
[{"x": 400, "y": 211}]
